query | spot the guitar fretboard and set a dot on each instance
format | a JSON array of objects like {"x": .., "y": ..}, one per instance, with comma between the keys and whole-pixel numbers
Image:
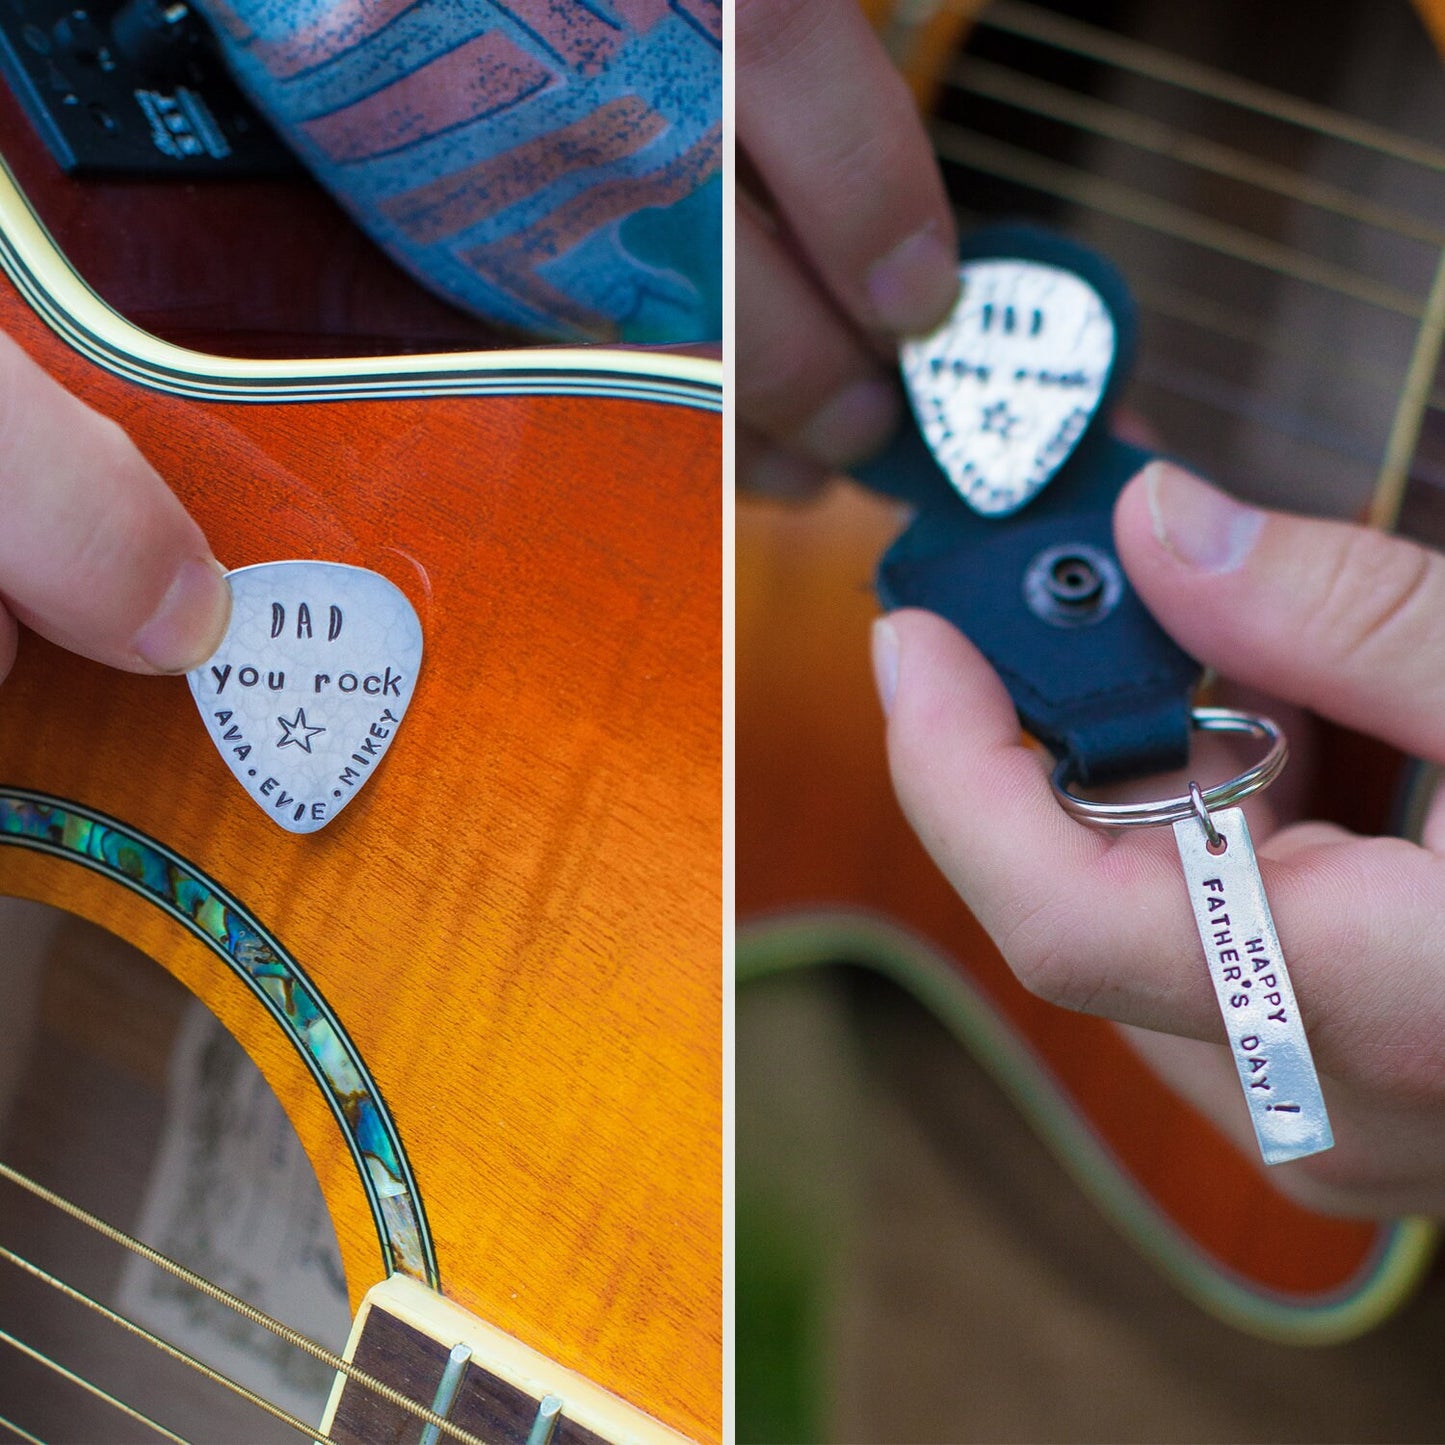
[{"x": 483, "y": 1382}]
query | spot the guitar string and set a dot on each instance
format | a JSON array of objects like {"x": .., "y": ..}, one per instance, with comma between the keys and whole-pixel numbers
[
  {"x": 330, "y": 1358},
  {"x": 1203, "y": 313},
  {"x": 1114, "y": 122},
  {"x": 1022, "y": 19},
  {"x": 1032, "y": 95},
  {"x": 1176, "y": 303},
  {"x": 164, "y": 1346},
  {"x": 1014, "y": 17},
  {"x": 20, "y": 1432},
  {"x": 1206, "y": 314},
  {"x": 90, "y": 1388},
  {"x": 1010, "y": 162},
  {"x": 1393, "y": 479}
]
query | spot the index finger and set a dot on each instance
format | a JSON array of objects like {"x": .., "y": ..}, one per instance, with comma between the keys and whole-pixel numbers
[
  {"x": 832, "y": 129},
  {"x": 96, "y": 552},
  {"x": 1066, "y": 903},
  {"x": 1101, "y": 921}
]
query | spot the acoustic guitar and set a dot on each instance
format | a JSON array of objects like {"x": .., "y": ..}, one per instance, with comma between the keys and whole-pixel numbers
[
  {"x": 488, "y": 995},
  {"x": 1286, "y": 255}
]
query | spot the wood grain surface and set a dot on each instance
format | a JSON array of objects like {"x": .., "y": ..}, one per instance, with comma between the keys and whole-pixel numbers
[{"x": 518, "y": 922}]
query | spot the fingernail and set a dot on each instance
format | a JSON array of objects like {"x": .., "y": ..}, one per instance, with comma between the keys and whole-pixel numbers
[
  {"x": 852, "y": 425},
  {"x": 913, "y": 286},
  {"x": 191, "y": 621},
  {"x": 1199, "y": 524},
  {"x": 885, "y": 662}
]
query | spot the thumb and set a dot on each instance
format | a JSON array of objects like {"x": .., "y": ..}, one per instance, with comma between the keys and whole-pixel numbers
[
  {"x": 1341, "y": 619},
  {"x": 96, "y": 552}
]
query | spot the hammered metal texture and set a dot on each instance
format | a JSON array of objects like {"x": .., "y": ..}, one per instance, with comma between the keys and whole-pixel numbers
[
  {"x": 1004, "y": 389},
  {"x": 305, "y": 694}
]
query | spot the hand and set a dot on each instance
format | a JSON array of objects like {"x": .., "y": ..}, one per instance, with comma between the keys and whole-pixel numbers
[
  {"x": 845, "y": 244},
  {"x": 96, "y": 553},
  {"x": 1344, "y": 621}
]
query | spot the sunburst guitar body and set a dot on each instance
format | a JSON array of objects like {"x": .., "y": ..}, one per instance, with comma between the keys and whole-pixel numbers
[{"x": 489, "y": 994}]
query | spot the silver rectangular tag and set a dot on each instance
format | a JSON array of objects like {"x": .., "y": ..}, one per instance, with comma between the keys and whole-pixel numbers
[{"x": 1252, "y": 985}]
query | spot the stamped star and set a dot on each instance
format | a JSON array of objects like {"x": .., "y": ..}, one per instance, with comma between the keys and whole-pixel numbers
[
  {"x": 998, "y": 418},
  {"x": 295, "y": 730}
]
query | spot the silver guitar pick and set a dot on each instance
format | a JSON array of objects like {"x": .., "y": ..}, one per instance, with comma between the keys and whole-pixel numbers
[
  {"x": 1004, "y": 389},
  {"x": 306, "y": 692}
]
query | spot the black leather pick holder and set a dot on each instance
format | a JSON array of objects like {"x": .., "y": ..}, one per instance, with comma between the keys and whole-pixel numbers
[{"x": 1040, "y": 590}]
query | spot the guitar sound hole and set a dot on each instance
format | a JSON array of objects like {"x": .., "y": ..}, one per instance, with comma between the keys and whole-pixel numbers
[{"x": 121, "y": 1092}]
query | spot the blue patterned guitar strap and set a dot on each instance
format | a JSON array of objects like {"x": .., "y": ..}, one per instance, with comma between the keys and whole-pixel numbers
[
  {"x": 553, "y": 165},
  {"x": 1010, "y": 465}
]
